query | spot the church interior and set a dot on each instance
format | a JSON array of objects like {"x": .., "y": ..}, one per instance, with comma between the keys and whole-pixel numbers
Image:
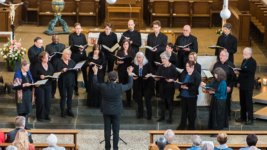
[{"x": 84, "y": 131}]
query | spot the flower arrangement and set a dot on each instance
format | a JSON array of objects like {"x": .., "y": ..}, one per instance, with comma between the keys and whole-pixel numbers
[
  {"x": 219, "y": 32},
  {"x": 12, "y": 52}
]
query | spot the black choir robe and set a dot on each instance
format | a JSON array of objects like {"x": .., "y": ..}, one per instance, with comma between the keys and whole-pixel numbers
[
  {"x": 135, "y": 37},
  {"x": 183, "y": 55},
  {"x": 197, "y": 67},
  {"x": 52, "y": 48},
  {"x": 33, "y": 54},
  {"x": 153, "y": 40},
  {"x": 75, "y": 39},
  {"x": 93, "y": 94},
  {"x": 230, "y": 43}
]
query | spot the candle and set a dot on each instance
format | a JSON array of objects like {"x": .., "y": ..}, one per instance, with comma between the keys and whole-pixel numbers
[{"x": 225, "y": 3}]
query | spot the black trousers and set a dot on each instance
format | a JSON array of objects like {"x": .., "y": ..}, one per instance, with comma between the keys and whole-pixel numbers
[
  {"x": 54, "y": 88},
  {"x": 84, "y": 72},
  {"x": 246, "y": 104},
  {"x": 189, "y": 112},
  {"x": 217, "y": 114},
  {"x": 112, "y": 121},
  {"x": 43, "y": 101},
  {"x": 140, "y": 106},
  {"x": 166, "y": 103},
  {"x": 228, "y": 108},
  {"x": 65, "y": 95}
]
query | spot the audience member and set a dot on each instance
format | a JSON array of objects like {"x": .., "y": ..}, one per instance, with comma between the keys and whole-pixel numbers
[
  {"x": 11, "y": 147},
  {"x": 207, "y": 146},
  {"x": 52, "y": 143},
  {"x": 169, "y": 135},
  {"x": 161, "y": 143},
  {"x": 22, "y": 141},
  {"x": 19, "y": 124},
  {"x": 252, "y": 140},
  {"x": 196, "y": 140},
  {"x": 222, "y": 139}
]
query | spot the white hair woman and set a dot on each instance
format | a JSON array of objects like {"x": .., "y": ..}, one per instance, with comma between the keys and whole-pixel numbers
[
  {"x": 52, "y": 143},
  {"x": 167, "y": 74},
  {"x": 143, "y": 86}
]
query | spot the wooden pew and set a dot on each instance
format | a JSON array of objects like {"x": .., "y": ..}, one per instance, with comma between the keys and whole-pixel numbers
[
  {"x": 233, "y": 146},
  {"x": 240, "y": 21},
  {"x": 203, "y": 132},
  {"x": 87, "y": 8},
  {"x": 181, "y": 13},
  {"x": 31, "y": 7},
  {"x": 160, "y": 10},
  {"x": 40, "y": 146},
  {"x": 72, "y": 132},
  {"x": 201, "y": 10}
]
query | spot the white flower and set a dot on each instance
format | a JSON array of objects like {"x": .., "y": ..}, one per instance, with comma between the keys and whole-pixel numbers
[{"x": 4, "y": 56}]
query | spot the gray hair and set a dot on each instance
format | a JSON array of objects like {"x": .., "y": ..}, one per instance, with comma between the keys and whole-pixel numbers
[
  {"x": 225, "y": 52},
  {"x": 165, "y": 55},
  {"x": 20, "y": 121},
  {"x": 145, "y": 61},
  {"x": 169, "y": 135},
  {"x": 52, "y": 140},
  {"x": 11, "y": 147},
  {"x": 248, "y": 49},
  {"x": 196, "y": 140},
  {"x": 207, "y": 146}
]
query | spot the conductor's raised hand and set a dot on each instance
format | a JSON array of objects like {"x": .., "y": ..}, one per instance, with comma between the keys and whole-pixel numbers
[
  {"x": 95, "y": 69},
  {"x": 130, "y": 70}
]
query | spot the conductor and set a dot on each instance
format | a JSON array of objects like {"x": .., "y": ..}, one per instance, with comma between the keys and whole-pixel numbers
[{"x": 111, "y": 106}]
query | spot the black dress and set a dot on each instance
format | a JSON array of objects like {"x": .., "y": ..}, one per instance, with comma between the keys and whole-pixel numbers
[
  {"x": 43, "y": 92},
  {"x": 166, "y": 89},
  {"x": 122, "y": 71},
  {"x": 24, "y": 104},
  {"x": 93, "y": 94},
  {"x": 143, "y": 88},
  {"x": 66, "y": 83}
]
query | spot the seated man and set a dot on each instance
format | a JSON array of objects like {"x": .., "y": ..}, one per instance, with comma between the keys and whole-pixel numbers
[
  {"x": 252, "y": 140},
  {"x": 52, "y": 143},
  {"x": 169, "y": 136},
  {"x": 222, "y": 139},
  {"x": 19, "y": 124},
  {"x": 196, "y": 140}
]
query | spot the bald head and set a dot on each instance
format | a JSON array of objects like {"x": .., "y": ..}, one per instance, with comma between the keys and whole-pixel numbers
[
  {"x": 186, "y": 30},
  {"x": 247, "y": 52},
  {"x": 131, "y": 25},
  {"x": 55, "y": 38}
]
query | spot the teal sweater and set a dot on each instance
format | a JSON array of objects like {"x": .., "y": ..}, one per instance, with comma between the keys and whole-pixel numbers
[{"x": 220, "y": 89}]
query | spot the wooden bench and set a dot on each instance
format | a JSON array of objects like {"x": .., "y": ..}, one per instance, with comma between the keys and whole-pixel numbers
[
  {"x": 201, "y": 9},
  {"x": 40, "y": 146},
  {"x": 72, "y": 132},
  {"x": 233, "y": 146},
  {"x": 203, "y": 132},
  {"x": 160, "y": 10}
]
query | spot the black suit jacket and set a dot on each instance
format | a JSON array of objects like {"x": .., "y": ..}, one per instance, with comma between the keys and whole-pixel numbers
[
  {"x": 111, "y": 95},
  {"x": 247, "y": 74},
  {"x": 12, "y": 134},
  {"x": 33, "y": 54},
  {"x": 161, "y": 40},
  {"x": 230, "y": 43},
  {"x": 52, "y": 48},
  {"x": 192, "y": 84},
  {"x": 75, "y": 39}
]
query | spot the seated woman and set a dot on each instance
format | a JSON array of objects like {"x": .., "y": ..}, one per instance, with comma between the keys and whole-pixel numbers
[
  {"x": 52, "y": 143},
  {"x": 22, "y": 141},
  {"x": 196, "y": 140},
  {"x": 222, "y": 139}
]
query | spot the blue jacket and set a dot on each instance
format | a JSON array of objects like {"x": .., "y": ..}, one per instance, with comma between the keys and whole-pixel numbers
[{"x": 220, "y": 89}]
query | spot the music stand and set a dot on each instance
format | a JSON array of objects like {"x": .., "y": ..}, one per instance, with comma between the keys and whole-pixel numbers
[{"x": 111, "y": 139}]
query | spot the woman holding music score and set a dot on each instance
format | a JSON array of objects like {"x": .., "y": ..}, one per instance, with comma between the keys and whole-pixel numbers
[
  {"x": 43, "y": 92},
  {"x": 218, "y": 89},
  {"x": 66, "y": 82},
  {"x": 168, "y": 75},
  {"x": 128, "y": 55},
  {"x": 189, "y": 83},
  {"x": 143, "y": 86},
  {"x": 22, "y": 83},
  {"x": 109, "y": 39},
  {"x": 96, "y": 57},
  {"x": 173, "y": 57}
]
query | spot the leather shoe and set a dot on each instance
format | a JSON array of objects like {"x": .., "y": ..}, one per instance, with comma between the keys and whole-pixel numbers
[
  {"x": 249, "y": 122},
  {"x": 63, "y": 115},
  {"x": 47, "y": 118},
  {"x": 70, "y": 113},
  {"x": 239, "y": 120}
]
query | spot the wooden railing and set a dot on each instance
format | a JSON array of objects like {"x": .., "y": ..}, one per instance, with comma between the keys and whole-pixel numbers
[{"x": 73, "y": 146}]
